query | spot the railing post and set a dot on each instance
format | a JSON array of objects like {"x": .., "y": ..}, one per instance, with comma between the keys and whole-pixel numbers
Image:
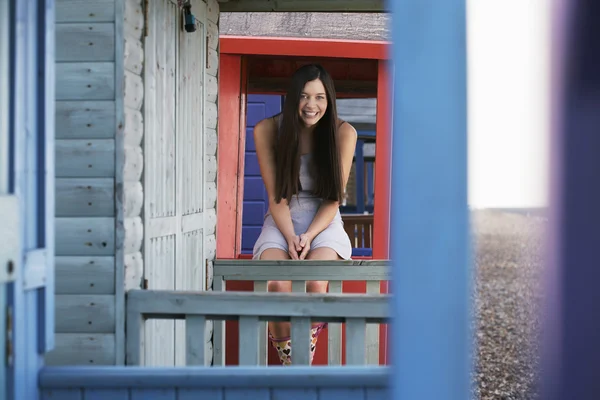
[
  {"x": 301, "y": 340},
  {"x": 248, "y": 341},
  {"x": 218, "y": 328},
  {"x": 195, "y": 329},
  {"x": 135, "y": 337}
]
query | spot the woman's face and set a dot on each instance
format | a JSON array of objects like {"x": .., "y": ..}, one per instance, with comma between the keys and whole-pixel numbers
[{"x": 313, "y": 102}]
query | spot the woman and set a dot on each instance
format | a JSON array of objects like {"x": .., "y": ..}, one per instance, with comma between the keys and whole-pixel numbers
[{"x": 305, "y": 155}]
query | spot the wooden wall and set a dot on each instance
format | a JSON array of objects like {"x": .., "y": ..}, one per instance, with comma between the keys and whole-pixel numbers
[{"x": 86, "y": 126}]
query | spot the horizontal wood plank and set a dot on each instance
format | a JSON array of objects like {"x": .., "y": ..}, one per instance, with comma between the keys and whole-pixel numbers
[
  {"x": 85, "y": 81},
  {"x": 82, "y": 349},
  {"x": 85, "y": 313},
  {"x": 85, "y": 119},
  {"x": 85, "y": 42},
  {"x": 85, "y": 275},
  {"x": 93, "y": 158},
  {"x": 245, "y": 270},
  {"x": 90, "y": 197},
  {"x": 165, "y": 304},
  {"x": 85, "y": 236},
  {"x": 85, "y": 11}
]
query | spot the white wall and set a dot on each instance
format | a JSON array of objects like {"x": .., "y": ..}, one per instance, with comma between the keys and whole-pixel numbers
[{"x": 508, "y": 51}]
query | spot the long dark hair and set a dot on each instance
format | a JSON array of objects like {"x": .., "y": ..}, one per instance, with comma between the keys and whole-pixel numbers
[{"x": 326, "y": 152}]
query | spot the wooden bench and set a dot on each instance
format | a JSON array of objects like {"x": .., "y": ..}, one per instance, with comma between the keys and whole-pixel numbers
[
  {"x": 250, "y": 309},
  {"x": 359, "y": 228},
  {"x": 299, "y": 272}
]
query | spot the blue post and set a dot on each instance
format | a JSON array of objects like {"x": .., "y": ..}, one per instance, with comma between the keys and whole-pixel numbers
[
  {"x": 429, "y": 239},
  {"x": 572, "y": 322}
]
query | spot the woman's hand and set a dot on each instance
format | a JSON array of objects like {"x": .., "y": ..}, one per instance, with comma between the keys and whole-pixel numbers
[
  {"x": 305, "y": 241},
  {"x": 294, "y": 247}
]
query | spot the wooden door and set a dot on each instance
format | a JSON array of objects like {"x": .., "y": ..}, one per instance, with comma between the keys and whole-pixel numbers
[{"x": 174, "y": 166}]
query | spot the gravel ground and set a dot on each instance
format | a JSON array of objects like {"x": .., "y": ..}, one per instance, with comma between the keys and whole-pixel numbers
[{"x": 508, "y": 256}]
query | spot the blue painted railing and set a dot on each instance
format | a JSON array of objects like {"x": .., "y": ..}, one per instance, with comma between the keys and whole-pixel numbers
[{"x": 233, "y": 383}]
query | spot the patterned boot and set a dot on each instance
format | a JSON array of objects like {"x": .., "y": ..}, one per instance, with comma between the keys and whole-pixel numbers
[
  {"x": 284, "y": 349},
  {"x": 314, "y": 336}
]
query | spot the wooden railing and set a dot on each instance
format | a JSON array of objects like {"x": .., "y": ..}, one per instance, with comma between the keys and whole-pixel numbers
[
  {"x": 301, "y": 309},
  {"x": 84, "y": 383},
  {"x": 359, "y": 228},
  {"x": 299, "y": 272}
]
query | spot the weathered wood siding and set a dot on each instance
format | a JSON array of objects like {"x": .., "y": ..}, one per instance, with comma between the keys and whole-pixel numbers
[
  {"x": 180, "y": 88},
  {"x": 86, "y": 123}
]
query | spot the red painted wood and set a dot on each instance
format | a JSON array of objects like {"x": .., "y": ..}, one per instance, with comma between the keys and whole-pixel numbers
[
  {"x": 228, "y": 176},
  {"x": 381, "y": 215},
  {"x": 311, "y": 47}
]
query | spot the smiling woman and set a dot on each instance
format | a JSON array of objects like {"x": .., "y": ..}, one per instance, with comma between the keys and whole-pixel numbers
[{"x": 305, "y": 155}]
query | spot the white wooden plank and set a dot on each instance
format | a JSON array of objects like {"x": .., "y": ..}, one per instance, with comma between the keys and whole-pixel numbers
[
  {"x": 85, "y": 275},
  {"x": 85, "y": 313},
  {"x": 211, "y": 115},
  {"x": 261, "y": 287},
  {"x": 334, "y": 332},
  {"x": 91, "y": 197},
  {"x": 134, "y": 55},
  {"x": 211, "y": 168},
  {"x": 211, "y": 141},
  {"x": 212, "y": 62},
  {"x": 210, "y": 247},
  {"x": 133, "y": 199},
  {"x": 82, "y": 349},
  {"x": 85, "y": 158},
  {"x": 85, "y": 119},
  {"x": 189, "y": 276},
  {"x": 133, "y": 163},
  {"x": 85, "y": 81},
  {"x": 212, "y": 11},
  {"x": 212, "y": 88},
  {"x": 120, "y": 273},
  {"x": 85, "y": 42},
  {"x": 212, "y": 34},
  {"x": 134, "y": 271},
  {"x": 372, "y": 330},
  {"x": 355, "y": 341},
  {"x": 299, "y": 270},
  {"x": 248, "y": 341},
  {"x": 195, "y": 340},
  {"x": 159, "y": 347},
  {"x": 85, "y": 11},
  {"x": 134, "y": 90},
  {"x": 133, "y": 235},
  {"x": 133, "y": 19},
  {"x": 211, "y": 195},
  {"x": 301, "y": 340},
  {"x": 85, "y": 236},
  {"x": 134, "y": 127},
  {"x": 210, "y": 221}
]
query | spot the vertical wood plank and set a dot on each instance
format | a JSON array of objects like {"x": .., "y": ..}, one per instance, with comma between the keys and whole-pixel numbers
[
  {"x": 299, "y": 286},
  {"x": 195, "y": 326},
  {"x": 62, "y": 394},
  {"x": 248, "y": 341},
  {"x": 153, "y": 394},
  {"x": 355, "y": 341},
  {"x": 247, "y": 394},
  {"x": 342, "y": 394},
  {"x": 296, "y": 393},
  {"x": 334, "y": 332},
  {"x": 199, "y": 394},
  {"x": 103, "y": 394},
  {"x": 372, "y": 334},
  {"x": 301, "y": 340},
  {"x": 218, "y": 328},
  {"x": 263, "y": 350},
  {"x": 135, "y": 338}
]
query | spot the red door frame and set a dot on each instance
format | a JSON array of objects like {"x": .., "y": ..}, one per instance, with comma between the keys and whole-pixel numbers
[{"x": 232, "y": 134}]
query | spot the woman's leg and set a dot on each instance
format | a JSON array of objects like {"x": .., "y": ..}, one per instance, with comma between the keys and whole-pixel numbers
[
  {"x": 279, "y": 332},
  {"x": 321, "y": 253}
]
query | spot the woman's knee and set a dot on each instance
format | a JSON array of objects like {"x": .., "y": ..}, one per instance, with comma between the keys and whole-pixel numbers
[{"x": 279, "y": 286}]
